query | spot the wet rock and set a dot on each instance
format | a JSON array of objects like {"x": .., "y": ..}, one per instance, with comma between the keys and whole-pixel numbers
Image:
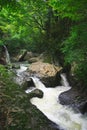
[
  {"x": 82, "y": 107},
  {"x": 68, "y": 97},
  {"x": 22, "y": 79},
  {"x": 48, "y": 73},
  {"x": 74, "y": 99},
  {"x": 35, "y": 93},
  {"x": 66, "y": 69},
  {"x": 15, "y": 66},
  {"x": 27, "y": 84}
]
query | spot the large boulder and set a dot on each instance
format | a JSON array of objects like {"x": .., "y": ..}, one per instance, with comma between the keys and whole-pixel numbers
[
  {"x": 68, "y": 97},
  {"x": 75, "y": 99},
  {"x": 48, "y": 73}
]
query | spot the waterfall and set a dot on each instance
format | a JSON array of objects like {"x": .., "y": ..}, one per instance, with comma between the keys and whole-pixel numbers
[
  {"x": 7, "y": 55},
  {"x": 65, "y": 117},
  {"x": 64, "y": 81}
]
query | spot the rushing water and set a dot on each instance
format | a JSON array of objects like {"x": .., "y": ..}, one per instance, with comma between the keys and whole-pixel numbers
[
  {"x": 19, "y": 79},
  {"x": 65, "y": 117},
  {"x": 21, "y": 69},
  {"x": 7, "y": 55},
  {"x": 62, "y": 115}
]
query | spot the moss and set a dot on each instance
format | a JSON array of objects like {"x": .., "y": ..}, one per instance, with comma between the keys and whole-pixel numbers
[{"x": 48, "y": 58}]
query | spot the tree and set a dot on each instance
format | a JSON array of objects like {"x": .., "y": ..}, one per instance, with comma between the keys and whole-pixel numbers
[
  {"x": 25, "y": 25},
  {"x": 74, "y": 9},
  {"x": 74, "y": 47}
]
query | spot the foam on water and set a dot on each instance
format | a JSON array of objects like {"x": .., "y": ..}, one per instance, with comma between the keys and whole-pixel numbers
[{"x": 62, "y": 115}]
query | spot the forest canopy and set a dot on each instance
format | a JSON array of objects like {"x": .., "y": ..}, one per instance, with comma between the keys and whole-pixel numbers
[{"x": 55, "y": 26}]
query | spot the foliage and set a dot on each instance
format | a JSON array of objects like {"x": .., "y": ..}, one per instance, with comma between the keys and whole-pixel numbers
[
  {"x": 73, "y": 9},
  {"x": 11, "y": 101},
  {"x": 34, "y": 26},
  {"x": 16, "y": 112},
  {"x": 74, "y": 46},
  {"x": 25, "y": 25},
  {"x": 46, "y": 25},
  {"x": 75, "y": 49},
  {"x": 55, "y": 26}
]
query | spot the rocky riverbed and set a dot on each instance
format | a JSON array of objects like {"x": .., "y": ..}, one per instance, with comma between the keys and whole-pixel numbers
[{"x": 49, "y": 74}]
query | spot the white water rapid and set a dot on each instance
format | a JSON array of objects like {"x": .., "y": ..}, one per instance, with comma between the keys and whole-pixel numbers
[
  {"x": 62, "y": 115},
  {"x": 20, "y": 78},
  {"x": 21, "y": 69}
]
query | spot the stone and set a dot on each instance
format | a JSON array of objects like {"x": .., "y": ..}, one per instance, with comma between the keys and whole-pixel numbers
[
  {"x": 35, "y": 93},
  {"x": 82, "y": 107},
  {"x": 44, "y": 69},
  {"x": 74, "y": 99},
  {"x": 46, "y": 72},
  {"x": 28, "y": 56},
  {"x": 21, "y": 55},
  {"x": 33, "y": 59},
  {"x": 68, "y": 97},
  {"x": 27, "y": 84}
]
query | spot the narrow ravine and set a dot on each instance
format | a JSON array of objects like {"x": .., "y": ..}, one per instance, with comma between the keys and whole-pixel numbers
[{"x": 63, "y": 116}]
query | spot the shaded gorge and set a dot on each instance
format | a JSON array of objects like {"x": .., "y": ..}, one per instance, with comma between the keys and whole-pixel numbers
[{"x": 65, "y": 117}]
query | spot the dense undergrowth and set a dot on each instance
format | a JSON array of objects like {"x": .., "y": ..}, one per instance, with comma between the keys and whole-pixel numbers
[{"x": 16, "y": 111}]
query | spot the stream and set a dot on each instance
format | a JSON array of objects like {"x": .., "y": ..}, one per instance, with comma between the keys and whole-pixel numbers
[{"x": 65, "y": 117}]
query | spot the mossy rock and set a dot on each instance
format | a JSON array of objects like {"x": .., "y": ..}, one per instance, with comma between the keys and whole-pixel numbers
[{"x": 35, "y": 93}]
